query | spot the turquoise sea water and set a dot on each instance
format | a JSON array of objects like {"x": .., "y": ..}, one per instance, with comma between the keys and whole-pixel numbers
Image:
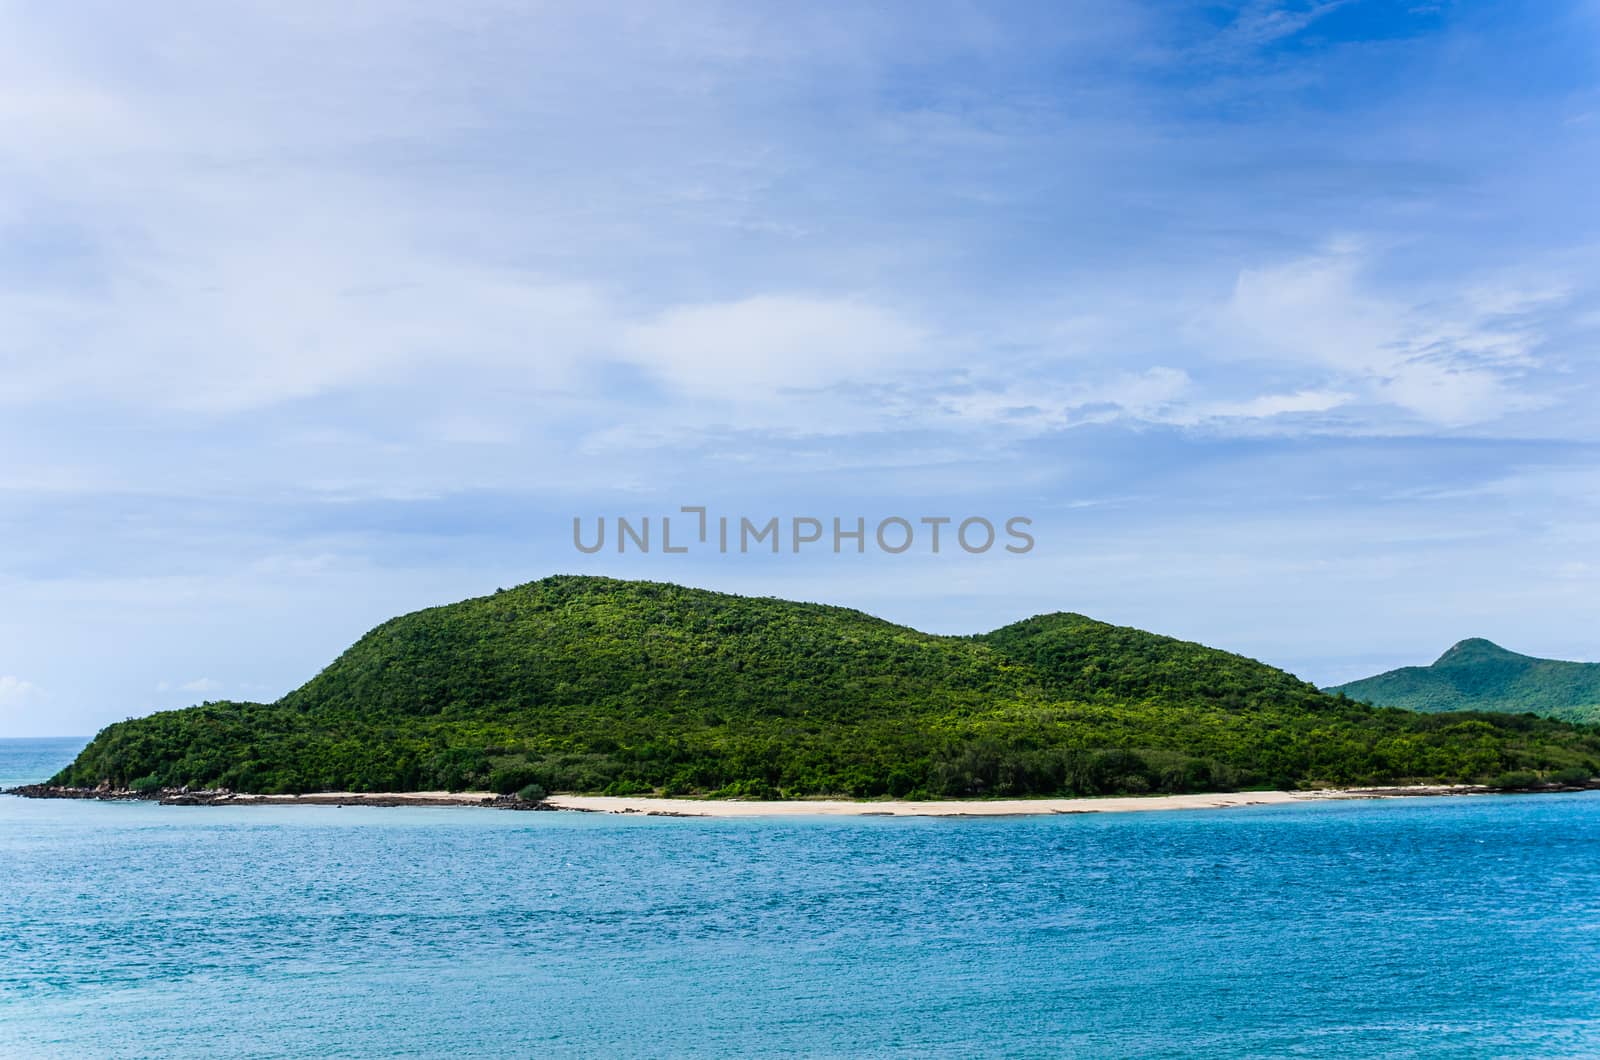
[{"x": 1456, "y": 927}]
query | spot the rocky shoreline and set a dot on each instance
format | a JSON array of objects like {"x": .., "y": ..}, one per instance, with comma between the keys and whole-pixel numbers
[{"x": 224, "y": 797}]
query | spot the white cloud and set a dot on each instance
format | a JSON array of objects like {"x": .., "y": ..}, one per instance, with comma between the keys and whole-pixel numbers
[
  {"x": 16, "y": 695},
  {"x": 15, "y": 692},
  {"x": 265, "y": 242},
  {"x": 255, "y": 319},
  {"x": 1266, "y": 406},
  {"x": 757, "y": 346}
]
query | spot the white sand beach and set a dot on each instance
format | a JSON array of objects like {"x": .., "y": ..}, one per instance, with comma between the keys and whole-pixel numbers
[{"x": 975, "y": 807}]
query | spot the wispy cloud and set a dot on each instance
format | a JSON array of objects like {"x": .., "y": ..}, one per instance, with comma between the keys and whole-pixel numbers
[
  {"x": 1455, "y": 360},
  {"x": 1259, "y": 24}
]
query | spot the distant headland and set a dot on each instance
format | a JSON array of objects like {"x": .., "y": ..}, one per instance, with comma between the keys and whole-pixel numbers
[{"x": 1478, "y": 674}]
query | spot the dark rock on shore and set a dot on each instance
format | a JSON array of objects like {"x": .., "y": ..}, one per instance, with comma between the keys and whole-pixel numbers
[
  {"x": 225, "y": 797},
  {"x": 55, "y": 791}
]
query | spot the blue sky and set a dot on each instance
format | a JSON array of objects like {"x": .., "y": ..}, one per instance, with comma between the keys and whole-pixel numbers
[{"x": 1279, "y": 319}]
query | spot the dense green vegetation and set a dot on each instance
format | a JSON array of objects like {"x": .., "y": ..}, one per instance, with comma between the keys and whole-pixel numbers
[
  {"x": 1480, "y": 675},
  {"x": 596, "y": 685}
]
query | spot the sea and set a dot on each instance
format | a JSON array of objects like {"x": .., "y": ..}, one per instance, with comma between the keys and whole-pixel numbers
[{"x": 1449, "y": 927}]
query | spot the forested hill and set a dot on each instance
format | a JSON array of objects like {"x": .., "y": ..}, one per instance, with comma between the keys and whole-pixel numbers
[
  {"x": 591, "y": 684},
  {"x": 1478, "y": 674}
]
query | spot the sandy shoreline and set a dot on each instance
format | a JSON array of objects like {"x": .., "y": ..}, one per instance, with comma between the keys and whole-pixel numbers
[
  {"x": 977, "y": 807},
  {"x": 688, "y": 807}
]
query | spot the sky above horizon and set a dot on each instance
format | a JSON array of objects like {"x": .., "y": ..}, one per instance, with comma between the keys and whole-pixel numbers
[{"x": 1277, "y": 319}]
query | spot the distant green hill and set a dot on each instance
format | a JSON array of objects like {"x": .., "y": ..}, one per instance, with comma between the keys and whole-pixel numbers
[
  {"x": 1479, "y": 675},
  {"x": 591, "y": 684}
]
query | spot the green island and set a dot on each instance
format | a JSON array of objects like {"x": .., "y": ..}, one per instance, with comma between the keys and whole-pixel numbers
[
  {"x": 1478, "y": 674},
  {"x": 594, "y": 685}
]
